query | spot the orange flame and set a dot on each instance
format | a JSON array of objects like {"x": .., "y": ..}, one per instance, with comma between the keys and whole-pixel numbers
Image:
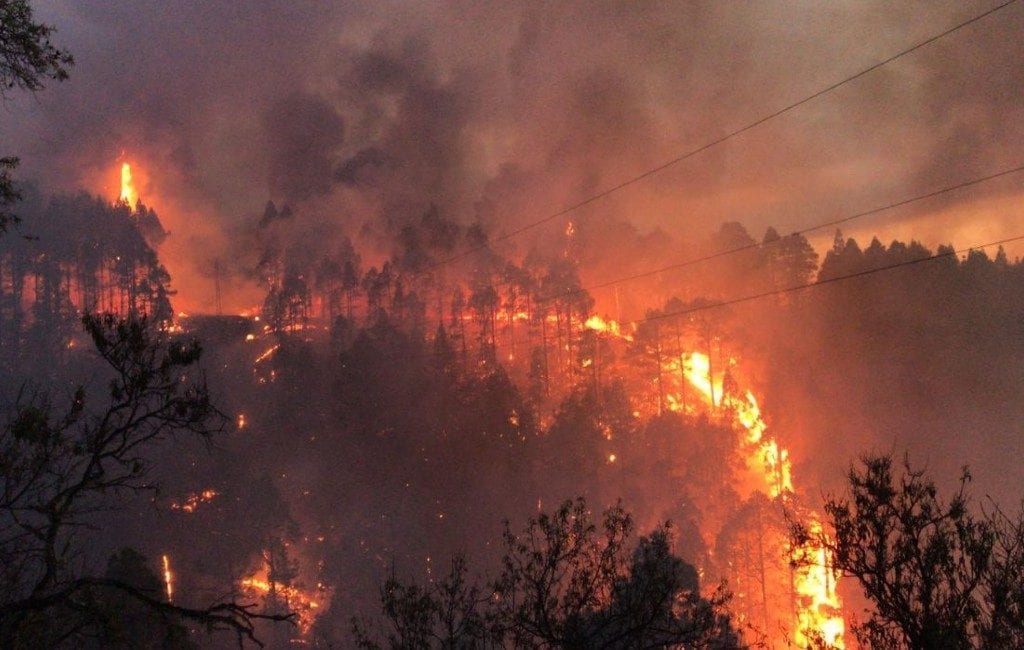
[
  {"x": 698, "y": 373},
  {"x": 611, "y": 327},
  {"x": 194, "y": 500},
  {"x": 305, "y": 604},
  {"x": 168, "y": 579},
  {"x": 819, "y": 608},
  {"x": 128, "y": 193}
]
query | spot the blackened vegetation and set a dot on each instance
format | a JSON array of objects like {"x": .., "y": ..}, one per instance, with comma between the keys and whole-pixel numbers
[
  {"x": 564, "y": 582},
  {"x": 83, "y": 254},
  {"x": 63, "y": 469},
  {"x": 28, "y": 60}
]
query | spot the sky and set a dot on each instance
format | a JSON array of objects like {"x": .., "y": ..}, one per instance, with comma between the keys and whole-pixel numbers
[{"x": 364, "y": 114}]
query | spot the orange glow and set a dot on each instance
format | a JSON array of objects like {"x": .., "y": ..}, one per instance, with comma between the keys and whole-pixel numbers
[
  {"x": 611, "y": 327},
  {"x": 818, "y": 606},
  {"x": 505, "y": 315},
  {"x": 129, "y": 194},
  {"x": 266, "y": 354},
  {"x": 194, "y": 500},
  {"x": 168, "y": 579},
  {"x": 305, "y": 604}
]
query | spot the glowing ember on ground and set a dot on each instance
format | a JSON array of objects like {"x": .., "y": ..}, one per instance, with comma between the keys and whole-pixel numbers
[
  {"x": 266, "y": 354},
  {"x": 305, "y": 604},
  {"x": 194, "y": 500}
]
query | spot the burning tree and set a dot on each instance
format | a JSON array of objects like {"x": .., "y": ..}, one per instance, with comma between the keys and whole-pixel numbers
[
  {"x": 62, "y": 467},
  {"x": 936, "y": 575}
]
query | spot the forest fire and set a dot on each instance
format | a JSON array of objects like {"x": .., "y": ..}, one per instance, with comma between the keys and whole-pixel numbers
[
  {"x": 445, "y": 284},
  {"x": 819, "y": 614},
  {"x": 811, "y": 588}
]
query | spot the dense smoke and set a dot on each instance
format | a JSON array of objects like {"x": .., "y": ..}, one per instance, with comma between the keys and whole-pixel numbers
[
  {"x": 412, "y": 369},
  {"x": 368, "y": 114}
]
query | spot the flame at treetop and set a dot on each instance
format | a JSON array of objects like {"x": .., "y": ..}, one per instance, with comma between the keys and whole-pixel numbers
[{"x": 128, "y": 192}]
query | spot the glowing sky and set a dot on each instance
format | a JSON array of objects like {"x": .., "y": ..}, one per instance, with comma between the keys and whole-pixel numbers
[{"x": 368, "y": 112}]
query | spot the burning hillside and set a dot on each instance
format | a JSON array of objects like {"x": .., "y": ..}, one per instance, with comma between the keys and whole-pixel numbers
[
  {"x": 446, "y": 350},
  {"x": 440, "y": 271}
]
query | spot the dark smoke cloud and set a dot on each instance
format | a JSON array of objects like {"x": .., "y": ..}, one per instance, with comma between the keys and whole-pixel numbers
[
  {"x": 373, "y": 112},
  {"x": 362, "y": 115},
  {"x": 354, "y": 171},
  {"x": 304, "y": 134}
]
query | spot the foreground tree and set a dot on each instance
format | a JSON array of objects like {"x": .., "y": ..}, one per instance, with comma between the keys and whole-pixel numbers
[
  {"x": 936, "y": 574},
  {"x": 565, "y": 582},
  {"x": 450, "y": 613},
  {"x": 27, "y": 60},
  {"x": 60, "y": 468}
]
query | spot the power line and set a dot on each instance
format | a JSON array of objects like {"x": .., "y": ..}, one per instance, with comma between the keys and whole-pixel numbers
[
  {"x": 654, "y": 317},
  {"x": 796, "y": 233},
  {"x": 732, "y": 134},
  {"x": 818, "y": 283},
  {"x": 533, "y": 338}
]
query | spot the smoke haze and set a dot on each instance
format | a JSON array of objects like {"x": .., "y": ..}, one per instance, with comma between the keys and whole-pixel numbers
[
  {"x": 368, "y": 113},
  {"x": 310, "y": 160}
]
